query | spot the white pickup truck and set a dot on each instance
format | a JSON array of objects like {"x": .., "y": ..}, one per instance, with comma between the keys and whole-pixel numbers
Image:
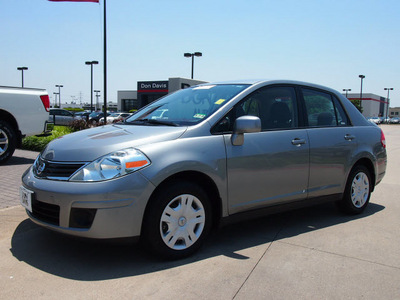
[{"x": 23, "y": 112}]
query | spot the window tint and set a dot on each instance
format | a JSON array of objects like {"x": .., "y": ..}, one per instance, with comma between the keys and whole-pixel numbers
[
  {"x": 275, "y": 106},
  {"x": 323, "y": 110}
]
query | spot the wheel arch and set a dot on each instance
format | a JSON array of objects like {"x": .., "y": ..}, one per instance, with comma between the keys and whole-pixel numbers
[
  {"x": 370, "y": 166},
  {"x": 9, "y": 118},
  {"x": 203, "y": 181}
]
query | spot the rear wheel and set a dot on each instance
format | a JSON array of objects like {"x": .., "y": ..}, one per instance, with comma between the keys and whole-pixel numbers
[
  {"x": 8, "y": 140},
  {"x": 177, "y": 221},
  {"x": 358, "y": 191}
]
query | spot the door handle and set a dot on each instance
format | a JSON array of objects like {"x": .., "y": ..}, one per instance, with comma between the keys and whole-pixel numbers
[
  {"x": 349, "y": 137},
  {"x": 298, "y": 142}
]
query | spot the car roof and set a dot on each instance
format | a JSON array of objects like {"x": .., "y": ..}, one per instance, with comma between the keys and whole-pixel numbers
[{"x": 270, "y": 81}]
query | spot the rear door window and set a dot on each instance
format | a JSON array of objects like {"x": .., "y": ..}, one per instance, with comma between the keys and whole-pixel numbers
[{"x": 323, "y": 109}]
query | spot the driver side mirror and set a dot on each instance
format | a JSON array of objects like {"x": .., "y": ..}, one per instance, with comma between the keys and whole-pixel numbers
[{"x": 242, "y": 125}]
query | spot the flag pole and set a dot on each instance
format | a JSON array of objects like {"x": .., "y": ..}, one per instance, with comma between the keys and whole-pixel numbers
[{"x": 105, "y": 64}]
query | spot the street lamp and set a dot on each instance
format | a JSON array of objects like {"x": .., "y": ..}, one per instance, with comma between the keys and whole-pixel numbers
[
  {"x": 22, "y": 69},
  {"x": 55, "y": 98},
  {"x": 387, "y": 105},
  {"x": 59, "y": 92},
  {"x": 346, "y": 90},
  {"x": 192, "y": 55},
  {"x": 91, "y": 63},
  {"x": 97, "y": 97},
  {"x": 362, "y": 77}
]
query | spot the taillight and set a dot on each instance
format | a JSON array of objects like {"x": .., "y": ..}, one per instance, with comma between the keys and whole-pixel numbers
[
  {"x": 383, "y": 140},
  {"x": 46, "y": 102}
]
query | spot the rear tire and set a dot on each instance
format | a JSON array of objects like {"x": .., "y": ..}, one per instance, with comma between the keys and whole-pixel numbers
[
  {"x": 358, "y": 191},
  {"x": 177, "y": 220},
  {"x": 8, "y": 141}
]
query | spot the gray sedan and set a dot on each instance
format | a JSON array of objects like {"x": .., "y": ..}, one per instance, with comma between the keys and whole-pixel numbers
[{"x": 222, "y": 150}]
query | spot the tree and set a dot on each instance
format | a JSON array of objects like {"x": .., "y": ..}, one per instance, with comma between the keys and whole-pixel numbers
[{"x": 357, "y": 104}]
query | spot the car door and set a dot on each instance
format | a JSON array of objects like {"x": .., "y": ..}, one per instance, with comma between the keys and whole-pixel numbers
[
  {"x": 332, "y": 142},
  {"x": 271, "y": 166}
]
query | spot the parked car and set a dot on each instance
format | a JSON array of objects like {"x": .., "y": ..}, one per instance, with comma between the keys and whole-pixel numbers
[
  {"x": 115, "y": 116},
  {"x": 61, "y": 116},
  {"x": 225, "y": 149},
  {"x": 23, "y": 112},
  {"x": 84, "y": 115},
  {"x": 95, "y": 117},
  {"x": 375, "y": 120}
]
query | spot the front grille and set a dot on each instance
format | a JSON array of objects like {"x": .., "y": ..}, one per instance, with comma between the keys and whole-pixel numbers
[
  {"x": 46, "y": 212},
  {"x": 54, "y": 170}
]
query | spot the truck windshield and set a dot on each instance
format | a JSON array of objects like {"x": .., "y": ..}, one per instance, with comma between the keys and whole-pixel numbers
[{"x": 187, "y": 107}]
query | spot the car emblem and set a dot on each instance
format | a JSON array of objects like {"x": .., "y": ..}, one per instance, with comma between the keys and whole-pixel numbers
[{"x": 40, "y": 168}]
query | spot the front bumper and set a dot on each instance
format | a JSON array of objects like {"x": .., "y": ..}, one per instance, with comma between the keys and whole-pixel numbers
[{"x": 107, "y": 209}]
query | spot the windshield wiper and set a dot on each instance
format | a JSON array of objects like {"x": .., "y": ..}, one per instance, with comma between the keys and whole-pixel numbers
[{"x": 154, "y": 122}]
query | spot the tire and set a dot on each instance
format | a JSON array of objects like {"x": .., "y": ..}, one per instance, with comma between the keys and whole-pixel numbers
[
  {"x": 177, "y": 220},
  {"x": 358, "y": 191},
  {"x": 8, "y": 141}
]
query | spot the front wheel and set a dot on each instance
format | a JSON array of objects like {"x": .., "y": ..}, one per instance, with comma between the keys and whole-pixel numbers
[
  {"x": 177, "y": 220},
  {"x": 358, "y": 191}
]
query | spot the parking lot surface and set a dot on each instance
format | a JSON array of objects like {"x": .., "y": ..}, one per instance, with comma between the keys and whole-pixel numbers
[{"x": 311, "y": 253}]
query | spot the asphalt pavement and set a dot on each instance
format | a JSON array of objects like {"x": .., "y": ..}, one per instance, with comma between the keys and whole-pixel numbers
[{"x": 311, "y": 253}]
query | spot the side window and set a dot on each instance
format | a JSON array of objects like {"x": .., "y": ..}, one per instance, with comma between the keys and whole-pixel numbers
[
  {"x": 323, "y": 110},
  {"x": 275, "y": 106}
]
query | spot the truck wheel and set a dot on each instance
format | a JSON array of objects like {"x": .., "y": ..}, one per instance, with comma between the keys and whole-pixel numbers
[
  {"x": 177, "y": 221},
  {"x": 7, "y": 141},
  {"x": 358, "y": 191}
]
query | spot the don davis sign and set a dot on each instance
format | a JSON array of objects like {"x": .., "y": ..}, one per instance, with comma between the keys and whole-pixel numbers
[{"x": 156, "y": 86}]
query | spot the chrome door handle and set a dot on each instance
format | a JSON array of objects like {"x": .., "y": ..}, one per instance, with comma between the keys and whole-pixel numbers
[
  {"x": 349, "y": 137},
  {"x": 298, "y": 142}
]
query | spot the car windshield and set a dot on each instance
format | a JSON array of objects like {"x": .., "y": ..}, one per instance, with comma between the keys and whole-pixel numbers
[
  {"x": 94, "y": 114},
  {"x": 187, "y": 107}
]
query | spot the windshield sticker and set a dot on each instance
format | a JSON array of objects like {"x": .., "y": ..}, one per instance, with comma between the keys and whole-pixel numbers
[
  {"x": 220, "y": 101},
  {"x": 199, "y": 116},
  {"x": 204, "y": 87}
]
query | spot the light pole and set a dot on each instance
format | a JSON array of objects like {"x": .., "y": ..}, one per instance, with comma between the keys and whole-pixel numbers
[
  {"x": 59, "y": 92},
  {"x": 55, "y": 98},
  {"x": 387, "y": 105},
  {"x": 22, "y": 69},
  {"x": 97, "y": 97},
  {"x": 346, "y": 90},
  {"x": 362, "y": 77},
  {"x": 91, "y": 63},
  {"x": 192, "y": 55}
]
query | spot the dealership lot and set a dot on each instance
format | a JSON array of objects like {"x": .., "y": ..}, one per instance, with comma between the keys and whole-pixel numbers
[{"x": 312, "y": 253}]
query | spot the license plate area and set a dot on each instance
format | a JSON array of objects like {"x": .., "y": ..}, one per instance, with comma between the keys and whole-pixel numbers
[{"x": 26, "y": 198}]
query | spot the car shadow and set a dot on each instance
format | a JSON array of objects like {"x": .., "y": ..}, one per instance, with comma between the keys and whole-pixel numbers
[
  {"x": 15, "y": 160},
  {"x": 93, "y": 260}
]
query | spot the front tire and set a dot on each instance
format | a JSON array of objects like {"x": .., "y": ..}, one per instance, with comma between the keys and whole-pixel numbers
[
  {"x": 358, "y": 191},
  {"x": 8, "y": 141},
  {"x": 177, "y": 220}
]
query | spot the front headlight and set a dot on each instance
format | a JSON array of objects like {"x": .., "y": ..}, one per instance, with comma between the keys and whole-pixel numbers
[{"x": 113, "y": 165}]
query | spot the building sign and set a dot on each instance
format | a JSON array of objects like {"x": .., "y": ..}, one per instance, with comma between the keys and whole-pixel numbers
[{"x": 152, "y": 87}]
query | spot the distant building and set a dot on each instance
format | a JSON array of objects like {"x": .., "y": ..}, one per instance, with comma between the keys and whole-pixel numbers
[
  {"x": 373, "y": 105},
  {"x": 149, "y": 91},
  {"x": 394, "y": 112}
]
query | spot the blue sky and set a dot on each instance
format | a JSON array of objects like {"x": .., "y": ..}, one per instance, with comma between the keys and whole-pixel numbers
[{"x": 318, "y": 41}]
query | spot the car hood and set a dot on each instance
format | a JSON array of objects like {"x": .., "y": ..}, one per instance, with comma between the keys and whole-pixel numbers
[{"x": 87, "y": 145}]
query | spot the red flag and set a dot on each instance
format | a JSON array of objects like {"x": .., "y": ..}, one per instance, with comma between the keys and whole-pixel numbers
[{"x": 97, "y": 1}]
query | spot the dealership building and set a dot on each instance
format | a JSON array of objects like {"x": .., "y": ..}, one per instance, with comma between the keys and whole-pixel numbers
[
  {"x": 373, "y": 105},
  {"x": 148, "y": 91}
]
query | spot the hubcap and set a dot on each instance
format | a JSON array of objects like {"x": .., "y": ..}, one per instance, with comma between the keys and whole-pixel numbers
[
  {"x": 360, "y": 190},
  {"x": 182, "y": 222},
  {"x": 3, "y": 142}
]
